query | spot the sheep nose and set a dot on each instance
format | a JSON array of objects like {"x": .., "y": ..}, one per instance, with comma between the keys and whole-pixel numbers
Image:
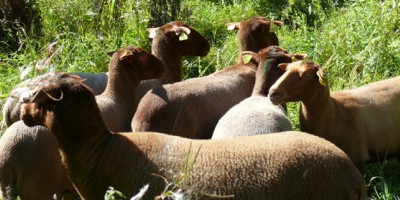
[{"x": 276, "y": 96}]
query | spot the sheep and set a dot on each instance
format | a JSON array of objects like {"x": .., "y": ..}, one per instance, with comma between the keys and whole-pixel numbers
[
  {"x": 192, "y": 108},
  {"x": 244, "y": 118},
  {"x": 255, "y": 34},
  {"x": 170, "y": 44},
  {"x": 128, "y": 66},
  {"x": 289, "y": 165},
  {"x": 17, "y": 179},
  {"x": 11, "y": 106},
  {"x": 363, "y": 122}
]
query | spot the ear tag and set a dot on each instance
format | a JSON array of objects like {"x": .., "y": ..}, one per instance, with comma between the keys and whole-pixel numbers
[
  {"x": 246, "y": 58},
  {"x": 183, "y": 36},
  {"x": 322, "y": 79},
  {"x": 125, "y": 54},
  {"x": 273, "y": 27},
  {"x": 231, "y": 27},
  {"x": 294, "y": 59}
]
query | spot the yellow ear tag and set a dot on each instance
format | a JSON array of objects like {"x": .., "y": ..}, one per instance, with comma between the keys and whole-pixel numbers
[
  {"x": 294, "y": 59},
  {"x": 322, "y": 82},
  {"x": 247, "y": 58},
  {"x": 273, "y": 27},
  {"x": 125, "y": 54},
  {"x": 183, "y": 37},
  {"x": 322, "y": 79}
]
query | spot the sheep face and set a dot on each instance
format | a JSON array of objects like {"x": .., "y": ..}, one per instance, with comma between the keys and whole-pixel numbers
[
  {"x": 255, "y": 33},
  {"x": 185, "y": 40},
  {"x": 143, "y": 65},
  {"x": 300, "y": 81},
  {"x": 266, "y": 59}
]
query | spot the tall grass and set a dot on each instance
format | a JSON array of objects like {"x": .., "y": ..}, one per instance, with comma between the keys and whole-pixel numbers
[{"x": 357, "y": 42}]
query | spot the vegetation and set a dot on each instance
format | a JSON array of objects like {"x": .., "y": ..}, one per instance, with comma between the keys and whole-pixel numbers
[{"x": 357, "y": 42}]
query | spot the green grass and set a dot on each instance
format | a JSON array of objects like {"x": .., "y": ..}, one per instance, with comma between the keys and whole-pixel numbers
[{"x": 357, "y": 42}]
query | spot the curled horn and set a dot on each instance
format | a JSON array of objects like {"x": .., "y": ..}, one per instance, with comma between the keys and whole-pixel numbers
[
  {"x": 53, "y": 98},
  {"x": 181, "y": 29}
]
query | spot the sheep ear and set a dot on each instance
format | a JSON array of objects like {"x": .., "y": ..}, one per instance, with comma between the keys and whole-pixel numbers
[
  {"x": 125, "y": 54},
  {"x": 152, "y": 32},
  {"x": 283, "y": 66},
  {"x": 321, "y": 75},
  {"x": 110, "y": 53},
  {"x": 296, "y": 57},
  {"x": 247, "y": 56},
  {"x": 233, "y": 26}
]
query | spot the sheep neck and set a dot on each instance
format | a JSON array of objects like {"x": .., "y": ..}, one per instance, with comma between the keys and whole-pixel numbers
[
  {"x": 121, "y": 85},
  {"x": 265, "y": 78},
  {"x": 317, "y": 111},
  {"x": 165, "y": 51}
]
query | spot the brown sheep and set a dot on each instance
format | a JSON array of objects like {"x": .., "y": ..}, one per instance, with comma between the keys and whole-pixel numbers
[
  {"x": 256, "y": 114},
  {"x": 255, "y": 34},
  {"x": 363, "y": 122},
  {"x": 192, "y": 108},
  {"x": 128, "y": 66},
  {"x": 289, "y": 165},
  {"x": 170, "y": 44}
]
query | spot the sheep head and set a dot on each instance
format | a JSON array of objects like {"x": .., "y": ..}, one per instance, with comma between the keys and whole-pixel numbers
[
  {"x": 267, "y": 60},
  {"x": 301, "y": 80},
  {"x": 44, "y": 92},
  {"x": 256, "y": 33},
  {"x": 185, "y": 40},
  {"x": 140, "y": 64}
]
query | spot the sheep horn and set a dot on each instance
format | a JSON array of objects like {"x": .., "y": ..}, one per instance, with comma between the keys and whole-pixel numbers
[
  {"x": 181, "y": 29},
  {"x": 53, "y": 98}
]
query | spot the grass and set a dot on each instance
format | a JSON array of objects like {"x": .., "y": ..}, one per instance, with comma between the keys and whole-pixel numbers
[{"x": 357, "y": 42}]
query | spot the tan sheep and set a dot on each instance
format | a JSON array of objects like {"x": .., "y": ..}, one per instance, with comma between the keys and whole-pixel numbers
[
  {"x": 192, "y": 108},
  {"x": 19, "y": 147},
  {"x": 128, "y": 66},
  {"x": 363, "y": 122},
  {"x": 290, "y": 165}
]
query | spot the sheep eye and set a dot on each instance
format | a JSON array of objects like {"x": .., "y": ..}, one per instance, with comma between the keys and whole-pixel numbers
[{"x": 307, "y": 76}]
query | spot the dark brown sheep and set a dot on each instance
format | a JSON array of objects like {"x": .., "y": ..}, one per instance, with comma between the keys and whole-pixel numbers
[
  {"x": 255, "y": 34},
  {"x": 128, "y": 66},
  {"x": 290, "y": 165},
  {"x": 363, "y": 122},
  {"x": 11, "y": 106}
]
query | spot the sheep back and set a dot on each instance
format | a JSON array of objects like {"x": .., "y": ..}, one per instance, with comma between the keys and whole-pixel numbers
[
  {"x": 254, "y": 115},
  {"x": 30, "y": 165}
]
